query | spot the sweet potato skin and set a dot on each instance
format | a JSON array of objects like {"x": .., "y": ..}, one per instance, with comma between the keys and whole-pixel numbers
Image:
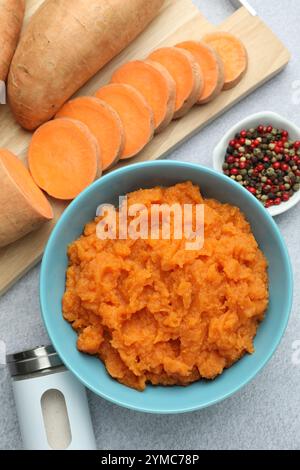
[
  {"x": 52, "y": 62},
  {"x": 11, "y": 20}
]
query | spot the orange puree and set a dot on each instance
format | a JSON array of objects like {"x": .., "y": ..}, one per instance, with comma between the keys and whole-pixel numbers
[{"x": 157, "y": 313}]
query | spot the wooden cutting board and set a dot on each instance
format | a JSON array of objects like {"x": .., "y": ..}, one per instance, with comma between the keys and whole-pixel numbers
[{"x": 179, "y": 20}]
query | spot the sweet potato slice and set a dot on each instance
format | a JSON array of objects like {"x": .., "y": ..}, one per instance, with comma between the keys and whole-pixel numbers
[
  {"x": 64, "y": 158},
  {"x": 155, "y": 83},
  {"x": 135, "y": 113},
  {"x": 104, "y": 123},
  {"x": 24, "y": 207},
  {"x": 233, "y": 54},
  {"x": 187, "y": 75},
  {"x": 211, "y": 66}
]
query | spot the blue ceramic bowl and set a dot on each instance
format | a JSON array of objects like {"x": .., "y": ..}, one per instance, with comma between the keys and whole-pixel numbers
[{"x": 90, "y": 370}]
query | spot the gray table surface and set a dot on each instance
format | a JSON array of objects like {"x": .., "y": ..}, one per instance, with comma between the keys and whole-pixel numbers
[{"x": 265, "y": 414}]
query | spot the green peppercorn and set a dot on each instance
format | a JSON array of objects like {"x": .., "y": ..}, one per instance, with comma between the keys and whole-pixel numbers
[
  {"x": 243, "y": 159},
  {"x": 287, "y": 186},
  {"x": 264, "y": 179},
  {"x": 296, "y": 187},
  {"x": 264, "y": 197},
  {"x": 239, "y": 178},
  {"x": 248, "y": 142},
  {"x": 225, "y": 166},
  {"x": 274, "y": 131}
]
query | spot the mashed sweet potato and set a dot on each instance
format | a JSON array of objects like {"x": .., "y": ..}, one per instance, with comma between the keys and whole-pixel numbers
[{"x": 157, "y": 313}]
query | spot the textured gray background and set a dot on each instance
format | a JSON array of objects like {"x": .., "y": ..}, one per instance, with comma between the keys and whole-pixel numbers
[{"x": 265, "y": 414}]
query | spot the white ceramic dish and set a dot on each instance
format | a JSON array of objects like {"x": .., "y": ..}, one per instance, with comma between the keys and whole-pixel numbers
[{"x": 264, "y": 118}]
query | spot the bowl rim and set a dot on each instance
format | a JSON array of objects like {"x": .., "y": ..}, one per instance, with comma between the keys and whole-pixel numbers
[
  {"x": 218, "y": 152},
  {"x": 120, "y": 401}
]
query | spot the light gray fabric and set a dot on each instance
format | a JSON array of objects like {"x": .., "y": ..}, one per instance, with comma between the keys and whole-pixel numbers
[{"x": 265, "y": 414}]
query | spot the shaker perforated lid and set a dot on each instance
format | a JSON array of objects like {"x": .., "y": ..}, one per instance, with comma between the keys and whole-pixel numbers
[{"x": 33, "y": 360}]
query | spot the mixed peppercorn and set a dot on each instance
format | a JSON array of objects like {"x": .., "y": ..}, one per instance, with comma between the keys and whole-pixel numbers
[{"x": 266, "y": 162}]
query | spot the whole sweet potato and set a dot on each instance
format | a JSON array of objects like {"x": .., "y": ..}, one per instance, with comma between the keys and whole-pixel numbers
[{"x": 65, "y": 44}]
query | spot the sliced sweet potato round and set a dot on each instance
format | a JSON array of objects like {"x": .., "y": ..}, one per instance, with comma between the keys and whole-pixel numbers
[
  {"x": 135, "y": 113},
  {"x": 64, "y": 158},
  {"x": 233, "y": 54},
  {"x": 155, "y": 83},
  {"x": 211, "y": 66},
  {"x": 186, "y": 73},
  {"x": 104, "y": 123}
]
